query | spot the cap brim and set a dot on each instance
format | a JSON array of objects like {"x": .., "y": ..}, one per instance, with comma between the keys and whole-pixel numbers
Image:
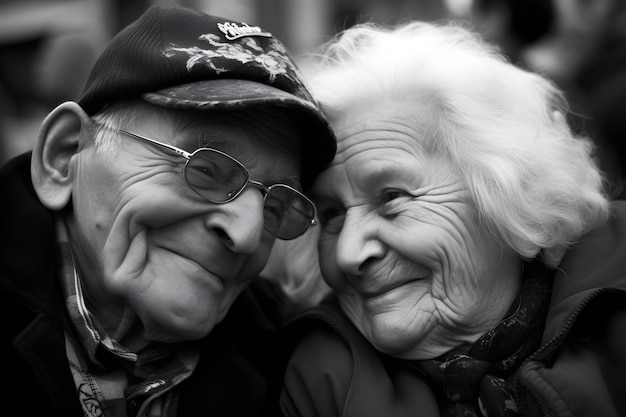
[{"x": 231, "y": 94}]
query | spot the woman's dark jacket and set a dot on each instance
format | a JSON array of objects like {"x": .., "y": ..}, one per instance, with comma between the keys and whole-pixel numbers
[
  {"x": 579, "y": 370},
  {"x": 235, "y": 377}
]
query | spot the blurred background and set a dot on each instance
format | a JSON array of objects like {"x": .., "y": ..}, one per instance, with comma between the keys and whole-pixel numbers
[{"x": 48, "y": 46}]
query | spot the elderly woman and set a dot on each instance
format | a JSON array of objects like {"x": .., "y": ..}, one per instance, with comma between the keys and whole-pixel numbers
[{"x": 475, "y": 259}]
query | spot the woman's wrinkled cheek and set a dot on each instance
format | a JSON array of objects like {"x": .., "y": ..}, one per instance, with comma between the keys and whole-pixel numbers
[{"x": 328, "y": 266}]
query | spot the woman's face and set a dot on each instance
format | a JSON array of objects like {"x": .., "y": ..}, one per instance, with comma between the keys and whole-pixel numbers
[{"x": 400, "y": 243}]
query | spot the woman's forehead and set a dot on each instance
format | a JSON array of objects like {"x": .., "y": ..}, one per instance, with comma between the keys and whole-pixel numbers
[{"x": 386, "y": 124}]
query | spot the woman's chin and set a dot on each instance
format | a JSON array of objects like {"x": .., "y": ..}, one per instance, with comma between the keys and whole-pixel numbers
[
  {"x": 410, "y": 346},
  {"x": 395, "y": 345},
  {"x": 390, "y": 335}
]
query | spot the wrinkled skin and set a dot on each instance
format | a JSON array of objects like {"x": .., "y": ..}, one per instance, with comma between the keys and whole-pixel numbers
[
  {"x": 400, "y": 243},
  {"x": 159, "y": 262}
]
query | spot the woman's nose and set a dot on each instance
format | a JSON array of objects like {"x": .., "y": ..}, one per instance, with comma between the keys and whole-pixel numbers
[{"x": 358, "y": 245}]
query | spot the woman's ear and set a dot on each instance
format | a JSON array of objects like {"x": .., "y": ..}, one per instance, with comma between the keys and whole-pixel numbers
[{"x": 62, "y": 135}]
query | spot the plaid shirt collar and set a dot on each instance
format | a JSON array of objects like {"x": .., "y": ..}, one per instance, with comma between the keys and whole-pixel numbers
[{"x": 96, "y": 358}]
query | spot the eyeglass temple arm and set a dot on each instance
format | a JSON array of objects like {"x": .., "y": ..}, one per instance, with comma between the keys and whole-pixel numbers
[
  {"x": 171, "y": 148},
  {"x": 187, "y": 155}
]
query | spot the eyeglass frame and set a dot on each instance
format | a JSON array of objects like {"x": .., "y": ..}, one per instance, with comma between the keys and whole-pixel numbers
[{"x": 262, "y": 187}]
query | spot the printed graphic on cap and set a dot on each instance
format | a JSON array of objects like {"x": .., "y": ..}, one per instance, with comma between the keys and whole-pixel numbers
[
  {"x": 233, "y": 31},
  {"x": 271, "y": 60}
]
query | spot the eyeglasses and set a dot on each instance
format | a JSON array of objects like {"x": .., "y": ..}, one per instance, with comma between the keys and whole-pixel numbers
[{"x": 219, "y": 178}]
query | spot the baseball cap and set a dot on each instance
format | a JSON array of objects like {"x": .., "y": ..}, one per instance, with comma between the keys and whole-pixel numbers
[{"x": 181, "y": 58}]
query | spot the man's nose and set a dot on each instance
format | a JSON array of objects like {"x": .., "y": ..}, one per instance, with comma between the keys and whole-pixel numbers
[{"x": 240, "y": 222}]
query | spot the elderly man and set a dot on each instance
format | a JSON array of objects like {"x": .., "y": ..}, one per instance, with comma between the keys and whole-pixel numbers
[{"x": 147, "y": 207}]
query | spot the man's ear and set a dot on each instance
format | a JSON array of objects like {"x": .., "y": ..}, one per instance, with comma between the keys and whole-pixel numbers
[{"x": 62, "y": 135}]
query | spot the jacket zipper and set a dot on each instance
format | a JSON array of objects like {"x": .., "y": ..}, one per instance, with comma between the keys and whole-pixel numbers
[{"x": 553, "y": 343}]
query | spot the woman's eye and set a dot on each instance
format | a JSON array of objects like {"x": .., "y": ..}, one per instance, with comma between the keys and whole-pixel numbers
[
  {"x": 391, "y": 195},
  {"x": 394, "y": 202},
  {"x": 329, "y": 214}
]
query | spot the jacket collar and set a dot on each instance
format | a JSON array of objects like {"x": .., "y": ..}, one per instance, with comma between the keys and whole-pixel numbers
[
  {"x": 27, "y": 239},
  {"x": 594, "y": 263}
]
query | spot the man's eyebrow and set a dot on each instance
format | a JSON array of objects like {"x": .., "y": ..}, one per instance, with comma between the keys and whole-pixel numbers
[{"x": 208, "y": 138}]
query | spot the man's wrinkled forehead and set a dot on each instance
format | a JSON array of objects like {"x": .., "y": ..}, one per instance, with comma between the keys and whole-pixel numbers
[{"x": 255, "y": 138}]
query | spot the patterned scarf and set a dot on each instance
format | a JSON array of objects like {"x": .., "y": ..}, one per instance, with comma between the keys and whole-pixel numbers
[{"x": 474, "y": 384}]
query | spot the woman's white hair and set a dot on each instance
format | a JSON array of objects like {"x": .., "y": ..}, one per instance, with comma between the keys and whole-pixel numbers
[{"x": 535, "y": 184}]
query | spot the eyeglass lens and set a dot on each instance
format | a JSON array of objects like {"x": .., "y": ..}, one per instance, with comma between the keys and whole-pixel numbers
[
  {"x": 219, "y": 178},
  {"x": 286, "y": 213},
  {"x": 215, "y": 176}
]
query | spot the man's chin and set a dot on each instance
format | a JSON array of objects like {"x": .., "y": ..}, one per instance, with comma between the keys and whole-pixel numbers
[{"x": 180, "y": 331}]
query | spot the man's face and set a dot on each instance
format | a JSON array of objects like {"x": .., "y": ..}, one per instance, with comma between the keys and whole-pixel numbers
[{"x": 147, "y": 242}]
